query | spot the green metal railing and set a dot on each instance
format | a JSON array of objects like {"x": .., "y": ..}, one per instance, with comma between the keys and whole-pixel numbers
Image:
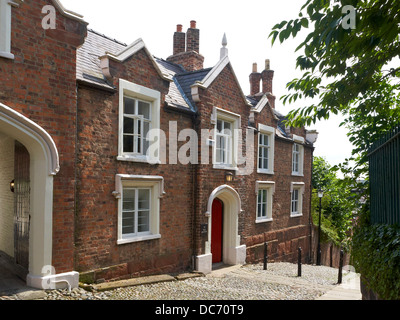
[{"x": 384, "y": 174}]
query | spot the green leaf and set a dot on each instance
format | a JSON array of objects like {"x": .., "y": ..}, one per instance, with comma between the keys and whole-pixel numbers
[{"x": 304, "y": 22}]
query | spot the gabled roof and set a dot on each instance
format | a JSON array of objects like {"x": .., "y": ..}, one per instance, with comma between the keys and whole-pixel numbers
[
  {"x": 98, "y": 45},
  {"x": 131, "y": 50},
  {"x": 215, "y": 72},
  {"x": 259, "y": 105}
]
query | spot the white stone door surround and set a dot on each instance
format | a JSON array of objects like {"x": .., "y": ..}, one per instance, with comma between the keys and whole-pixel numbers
[
  {"x": 233, "y": 252},
  {"x": 44, "y": 165}
]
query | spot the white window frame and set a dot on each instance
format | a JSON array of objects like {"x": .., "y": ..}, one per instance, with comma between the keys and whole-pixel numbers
[
  {"x": 297, "y": 187},
  {"x": 140, "y": 93},
  {"x": 137, "y": 119},
  {"x": 156, "y": 186},
  {"x": 5, "y": 28},
  {"x": 233, "y": 138},
  {"x": 298, "y": 151},
  {"x": 136, "y": 212},
  {"x": 225, "y": 149},
  {"x": 269, "y": 187},
  {"x": 270, "y": 132}
]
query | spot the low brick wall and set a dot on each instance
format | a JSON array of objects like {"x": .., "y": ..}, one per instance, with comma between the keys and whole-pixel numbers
[
  {"x": 282, "y": 245},
  {"x": 330, "y": 253}
]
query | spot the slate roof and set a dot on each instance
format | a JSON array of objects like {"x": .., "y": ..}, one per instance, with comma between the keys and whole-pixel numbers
[
  {"x": 187, "y": 79},
  {"x": 87, "y": 58},
  {"x": 281, "y": 118},
  {"x": 96, "y": 45}
]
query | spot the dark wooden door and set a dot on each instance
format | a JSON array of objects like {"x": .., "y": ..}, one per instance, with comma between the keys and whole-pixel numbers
[
  {"x": 21, "y": 205},
  {"x": 216, "y": 231}
]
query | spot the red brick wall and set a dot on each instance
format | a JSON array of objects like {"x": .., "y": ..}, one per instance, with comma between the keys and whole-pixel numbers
[
  {"x": 97, "y": 214},
  {"x": 284, "y": 233},
  {"x": 40, "y": 84}
]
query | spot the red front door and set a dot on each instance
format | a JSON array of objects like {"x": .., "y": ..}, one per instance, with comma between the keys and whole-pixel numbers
[{"x": 216, "y": 231}]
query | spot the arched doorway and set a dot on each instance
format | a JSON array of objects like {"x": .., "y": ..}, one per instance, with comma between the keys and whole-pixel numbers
[
  {"x": 43, "y": 165},
  {"x": 232, "y": 252}
]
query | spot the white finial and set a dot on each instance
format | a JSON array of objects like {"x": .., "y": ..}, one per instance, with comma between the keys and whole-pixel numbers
[
  {"x": 224, "y": 40},
  {"x": 224, "y": 50}
]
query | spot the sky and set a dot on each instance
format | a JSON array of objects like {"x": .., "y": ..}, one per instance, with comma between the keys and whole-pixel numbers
[{"x": 247, "y": 25}]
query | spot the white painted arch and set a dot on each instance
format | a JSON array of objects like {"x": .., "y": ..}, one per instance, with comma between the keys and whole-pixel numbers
[
  {"x": 233, "y": 252},
  {"x": 44, "y": 165}
]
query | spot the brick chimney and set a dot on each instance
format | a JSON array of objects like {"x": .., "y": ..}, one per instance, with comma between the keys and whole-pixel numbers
[
  {"x": 193, "y": 38},
  {"x": 255, "y": 79},
  {"x": 266, "y": 77},
  {"x": 179, "y": 40},
  {"x": 186, "y": 48}
]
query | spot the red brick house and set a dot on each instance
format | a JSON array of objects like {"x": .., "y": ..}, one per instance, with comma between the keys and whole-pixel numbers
[{"x": 125, "y": 164}]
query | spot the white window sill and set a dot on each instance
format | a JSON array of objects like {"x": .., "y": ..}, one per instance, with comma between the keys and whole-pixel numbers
[
  {"x": 139, "y": 238},
  {"x": 264, "y": 220},
  {"x": 294, "y": 215},
  {"x": 225, "y": 167},
  {"x": 6, "y": 55},
  {"x": 142, "y": 159},
  {"x": 265, "y": 171},
  {"x": 297, "y": 174}
]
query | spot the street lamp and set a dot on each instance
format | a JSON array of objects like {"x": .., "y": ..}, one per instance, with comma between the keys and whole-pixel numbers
[{"x": 320, "y": 195}]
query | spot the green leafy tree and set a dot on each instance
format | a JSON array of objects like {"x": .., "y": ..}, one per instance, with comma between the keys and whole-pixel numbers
[
  {"x": 338, "y": 202},
  {"x": 352, "y": 72}
]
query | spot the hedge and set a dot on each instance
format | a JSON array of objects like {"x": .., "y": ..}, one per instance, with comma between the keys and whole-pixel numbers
[{"x": 376, "y": 255}]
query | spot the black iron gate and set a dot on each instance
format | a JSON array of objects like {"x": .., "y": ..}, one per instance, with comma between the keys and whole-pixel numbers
[{"x": 21, "y": 205}]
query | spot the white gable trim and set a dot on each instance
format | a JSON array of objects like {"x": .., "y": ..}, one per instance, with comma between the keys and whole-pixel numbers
[
  {"x": 261, "y": 105},
  {"x": 68, "y": 13},
  {"x": 130, "y": 50},
  {"x": 211, "y": 76}
]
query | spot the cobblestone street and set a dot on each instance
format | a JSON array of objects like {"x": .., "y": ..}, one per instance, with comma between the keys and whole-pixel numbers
[{"x": 250, "y": 282}]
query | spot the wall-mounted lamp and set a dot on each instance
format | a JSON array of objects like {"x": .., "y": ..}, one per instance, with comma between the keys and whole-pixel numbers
[
  {"x": 12, "y": 186},
  {"x": 229, "y": 177}
]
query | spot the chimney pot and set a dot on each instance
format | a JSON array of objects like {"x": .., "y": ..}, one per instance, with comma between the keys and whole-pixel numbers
[
  {"x": 254, "y": 67},
  {"x": 267, "y": 64},
  {"x": 179, "y": 28},
  {"x": 193, "y": 24}
]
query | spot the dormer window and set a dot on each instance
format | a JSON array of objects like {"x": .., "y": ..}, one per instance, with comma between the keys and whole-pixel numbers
[{"x": 5, "y": 29}]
